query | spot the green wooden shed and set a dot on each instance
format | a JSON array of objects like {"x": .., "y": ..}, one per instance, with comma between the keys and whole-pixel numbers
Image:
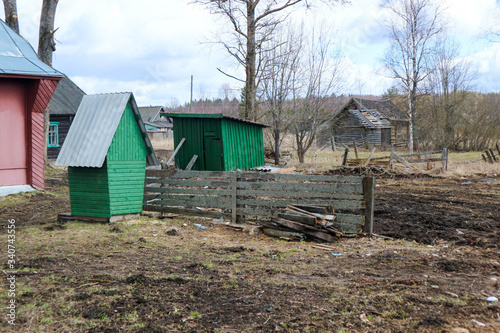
[
  {"x": 222, "y": 143},
  {"x": 106, "y": 151}
]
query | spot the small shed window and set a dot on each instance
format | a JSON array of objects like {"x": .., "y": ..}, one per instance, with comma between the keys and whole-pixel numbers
[{"x": 54, "y": 134}]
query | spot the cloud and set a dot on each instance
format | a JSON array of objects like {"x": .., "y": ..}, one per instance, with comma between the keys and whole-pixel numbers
[{"x": 152, "y": 47}]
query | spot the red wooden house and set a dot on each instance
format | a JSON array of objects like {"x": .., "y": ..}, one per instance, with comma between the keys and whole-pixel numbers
[{"x": 26, "y": 86}]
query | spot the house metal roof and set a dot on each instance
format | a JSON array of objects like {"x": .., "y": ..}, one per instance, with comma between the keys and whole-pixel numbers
[
  {"x": 150, "y": 113},
  {"x": 17, "y": 56},
  {"x": 212, "y": 116},
  {"x": 66, "y": 98},
  {"x": 94, "y": 127}
]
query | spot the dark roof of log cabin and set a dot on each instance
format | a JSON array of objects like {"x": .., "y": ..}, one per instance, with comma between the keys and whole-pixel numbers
[
  {"x": 385, "y": 107},
  {"x": 18, "y": 58},
  {"x": 66, "y": 98}
]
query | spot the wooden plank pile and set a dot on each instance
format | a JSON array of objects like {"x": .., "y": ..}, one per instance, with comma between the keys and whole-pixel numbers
[{"x": 303, "y": 222}]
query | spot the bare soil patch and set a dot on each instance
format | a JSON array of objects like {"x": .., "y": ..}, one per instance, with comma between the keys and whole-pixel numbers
[{"x": 147, "y": 275}]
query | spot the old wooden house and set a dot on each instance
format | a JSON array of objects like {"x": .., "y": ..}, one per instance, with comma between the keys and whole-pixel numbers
[
  {"x": 158, "y": 127},
  {"x": 62, "y": 107},
  {"x": 370, "y": 122},
  {"x": 220, "y": 142},
  {"x": 106, "y": 151},
  {"x": 26, "y": 86}
]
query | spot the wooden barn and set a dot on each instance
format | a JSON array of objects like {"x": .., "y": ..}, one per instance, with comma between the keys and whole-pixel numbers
[
  {"x": 370, "y": 122},
  {"x": 62, "y": 107},
  {"x": 106, "y": 151},
  {"x": 220, "y": 142},
  {"x": 26, "y": 86}
]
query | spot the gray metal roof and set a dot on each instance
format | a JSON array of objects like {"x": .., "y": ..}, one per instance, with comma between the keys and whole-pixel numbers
[
  {"x": 150, "y": 113},
  {"x": 17, "y": 57},
  {"x": 66, "y": 98},
  {"x": 94, "y": 127}
]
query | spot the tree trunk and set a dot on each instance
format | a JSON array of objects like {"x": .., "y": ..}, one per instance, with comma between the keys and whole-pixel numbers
[
  {"x": 250, "y": 90},
  {"x": 11, "y": 19},
  {"x": 46, "y": 46}
]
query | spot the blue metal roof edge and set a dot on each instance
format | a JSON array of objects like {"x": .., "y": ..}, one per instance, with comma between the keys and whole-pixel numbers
[{"x": 29, "y": 54}]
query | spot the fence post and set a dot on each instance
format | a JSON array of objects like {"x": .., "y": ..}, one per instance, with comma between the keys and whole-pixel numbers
[
  {"x": 234, "y": 186},
  {"x": 344, "y": 160},
  {"x": 445, "y": 159},
  {"x": 369, "y": 198},
  {"x": 490, "y": 159},
  {"x": 493, "y": 155}
]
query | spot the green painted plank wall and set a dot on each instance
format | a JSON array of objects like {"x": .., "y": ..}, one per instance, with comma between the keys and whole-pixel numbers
[
  {"x": 117, "y": 187},
  {"x": 126, "y": 186},
  {"x": 127, "y": 144},
  {"x": 126, "y": 167},
  {"x": 88, "y": 189}
]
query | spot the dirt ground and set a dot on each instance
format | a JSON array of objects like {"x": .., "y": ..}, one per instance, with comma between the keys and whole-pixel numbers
[{"x": 430, "y": 269}]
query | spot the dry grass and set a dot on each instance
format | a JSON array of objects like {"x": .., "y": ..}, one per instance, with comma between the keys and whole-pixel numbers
[{"x": 163, "y": 143}]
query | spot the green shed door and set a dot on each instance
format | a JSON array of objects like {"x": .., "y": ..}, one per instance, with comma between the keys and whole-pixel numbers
[{"x": 213, "y": 152}]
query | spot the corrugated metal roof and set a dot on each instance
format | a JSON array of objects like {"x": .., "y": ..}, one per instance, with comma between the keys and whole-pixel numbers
[
  {"x": 66, "y": 98},
  {"x": 17, "y": 57},
  {"x": 211, "y": 115},
  {"x": 94, "y": 127}
]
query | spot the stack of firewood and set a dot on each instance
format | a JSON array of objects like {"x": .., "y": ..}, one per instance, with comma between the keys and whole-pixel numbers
[{"x": 303, "y": 222}]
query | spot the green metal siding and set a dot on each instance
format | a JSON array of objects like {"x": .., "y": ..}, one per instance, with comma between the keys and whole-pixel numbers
[
  {"x": 222, "y": 144},
  {"x": 194, "y": 130},
  {"x": 243, "y": 145},
  {"x": 117, "y": 187},
  {"x": 88, "y": 189}
]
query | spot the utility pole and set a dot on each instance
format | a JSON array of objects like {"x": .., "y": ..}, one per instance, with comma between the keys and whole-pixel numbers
[{"x": 191, "y": 103}]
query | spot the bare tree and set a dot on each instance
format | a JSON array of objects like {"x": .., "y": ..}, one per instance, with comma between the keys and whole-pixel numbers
[
  {"x": 414, "y": 27},
  {"x": 10, "y": 7},
  {"x": 320, "y": 79},
  {"x": 253, "y": 23},
  {"x": 277, "y": 83},
  {"x": 448, "y": 84}
]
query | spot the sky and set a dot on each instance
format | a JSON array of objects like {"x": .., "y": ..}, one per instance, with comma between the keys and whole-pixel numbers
[{"x": 153, "y": 47}]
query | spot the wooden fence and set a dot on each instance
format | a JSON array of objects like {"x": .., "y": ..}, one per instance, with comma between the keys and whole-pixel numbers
[
  {"x": 406, "y": 159},
  {"x": 490, "y": 156},
  {"x": 259, "y": 195}
]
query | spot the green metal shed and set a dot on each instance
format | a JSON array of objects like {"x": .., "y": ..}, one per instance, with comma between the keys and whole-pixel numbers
[
  {"x": 222, "y": 143},
  {"x": 106, "y": 151}
]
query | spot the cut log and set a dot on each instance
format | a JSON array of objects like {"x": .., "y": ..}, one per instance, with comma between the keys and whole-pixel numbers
[
  {"x": 305, "y": 229},
  {"x": 321, "y": 216},
  {"x": 301, "y": 218}
]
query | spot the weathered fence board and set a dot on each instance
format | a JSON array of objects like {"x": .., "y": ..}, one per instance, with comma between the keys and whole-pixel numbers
[{"x": 258, "y": 195}]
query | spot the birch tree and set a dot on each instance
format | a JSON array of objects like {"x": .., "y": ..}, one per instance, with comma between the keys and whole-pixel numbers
[
  {"x": 413, "y": 30},
  {"x": 253, "y": 23}
]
